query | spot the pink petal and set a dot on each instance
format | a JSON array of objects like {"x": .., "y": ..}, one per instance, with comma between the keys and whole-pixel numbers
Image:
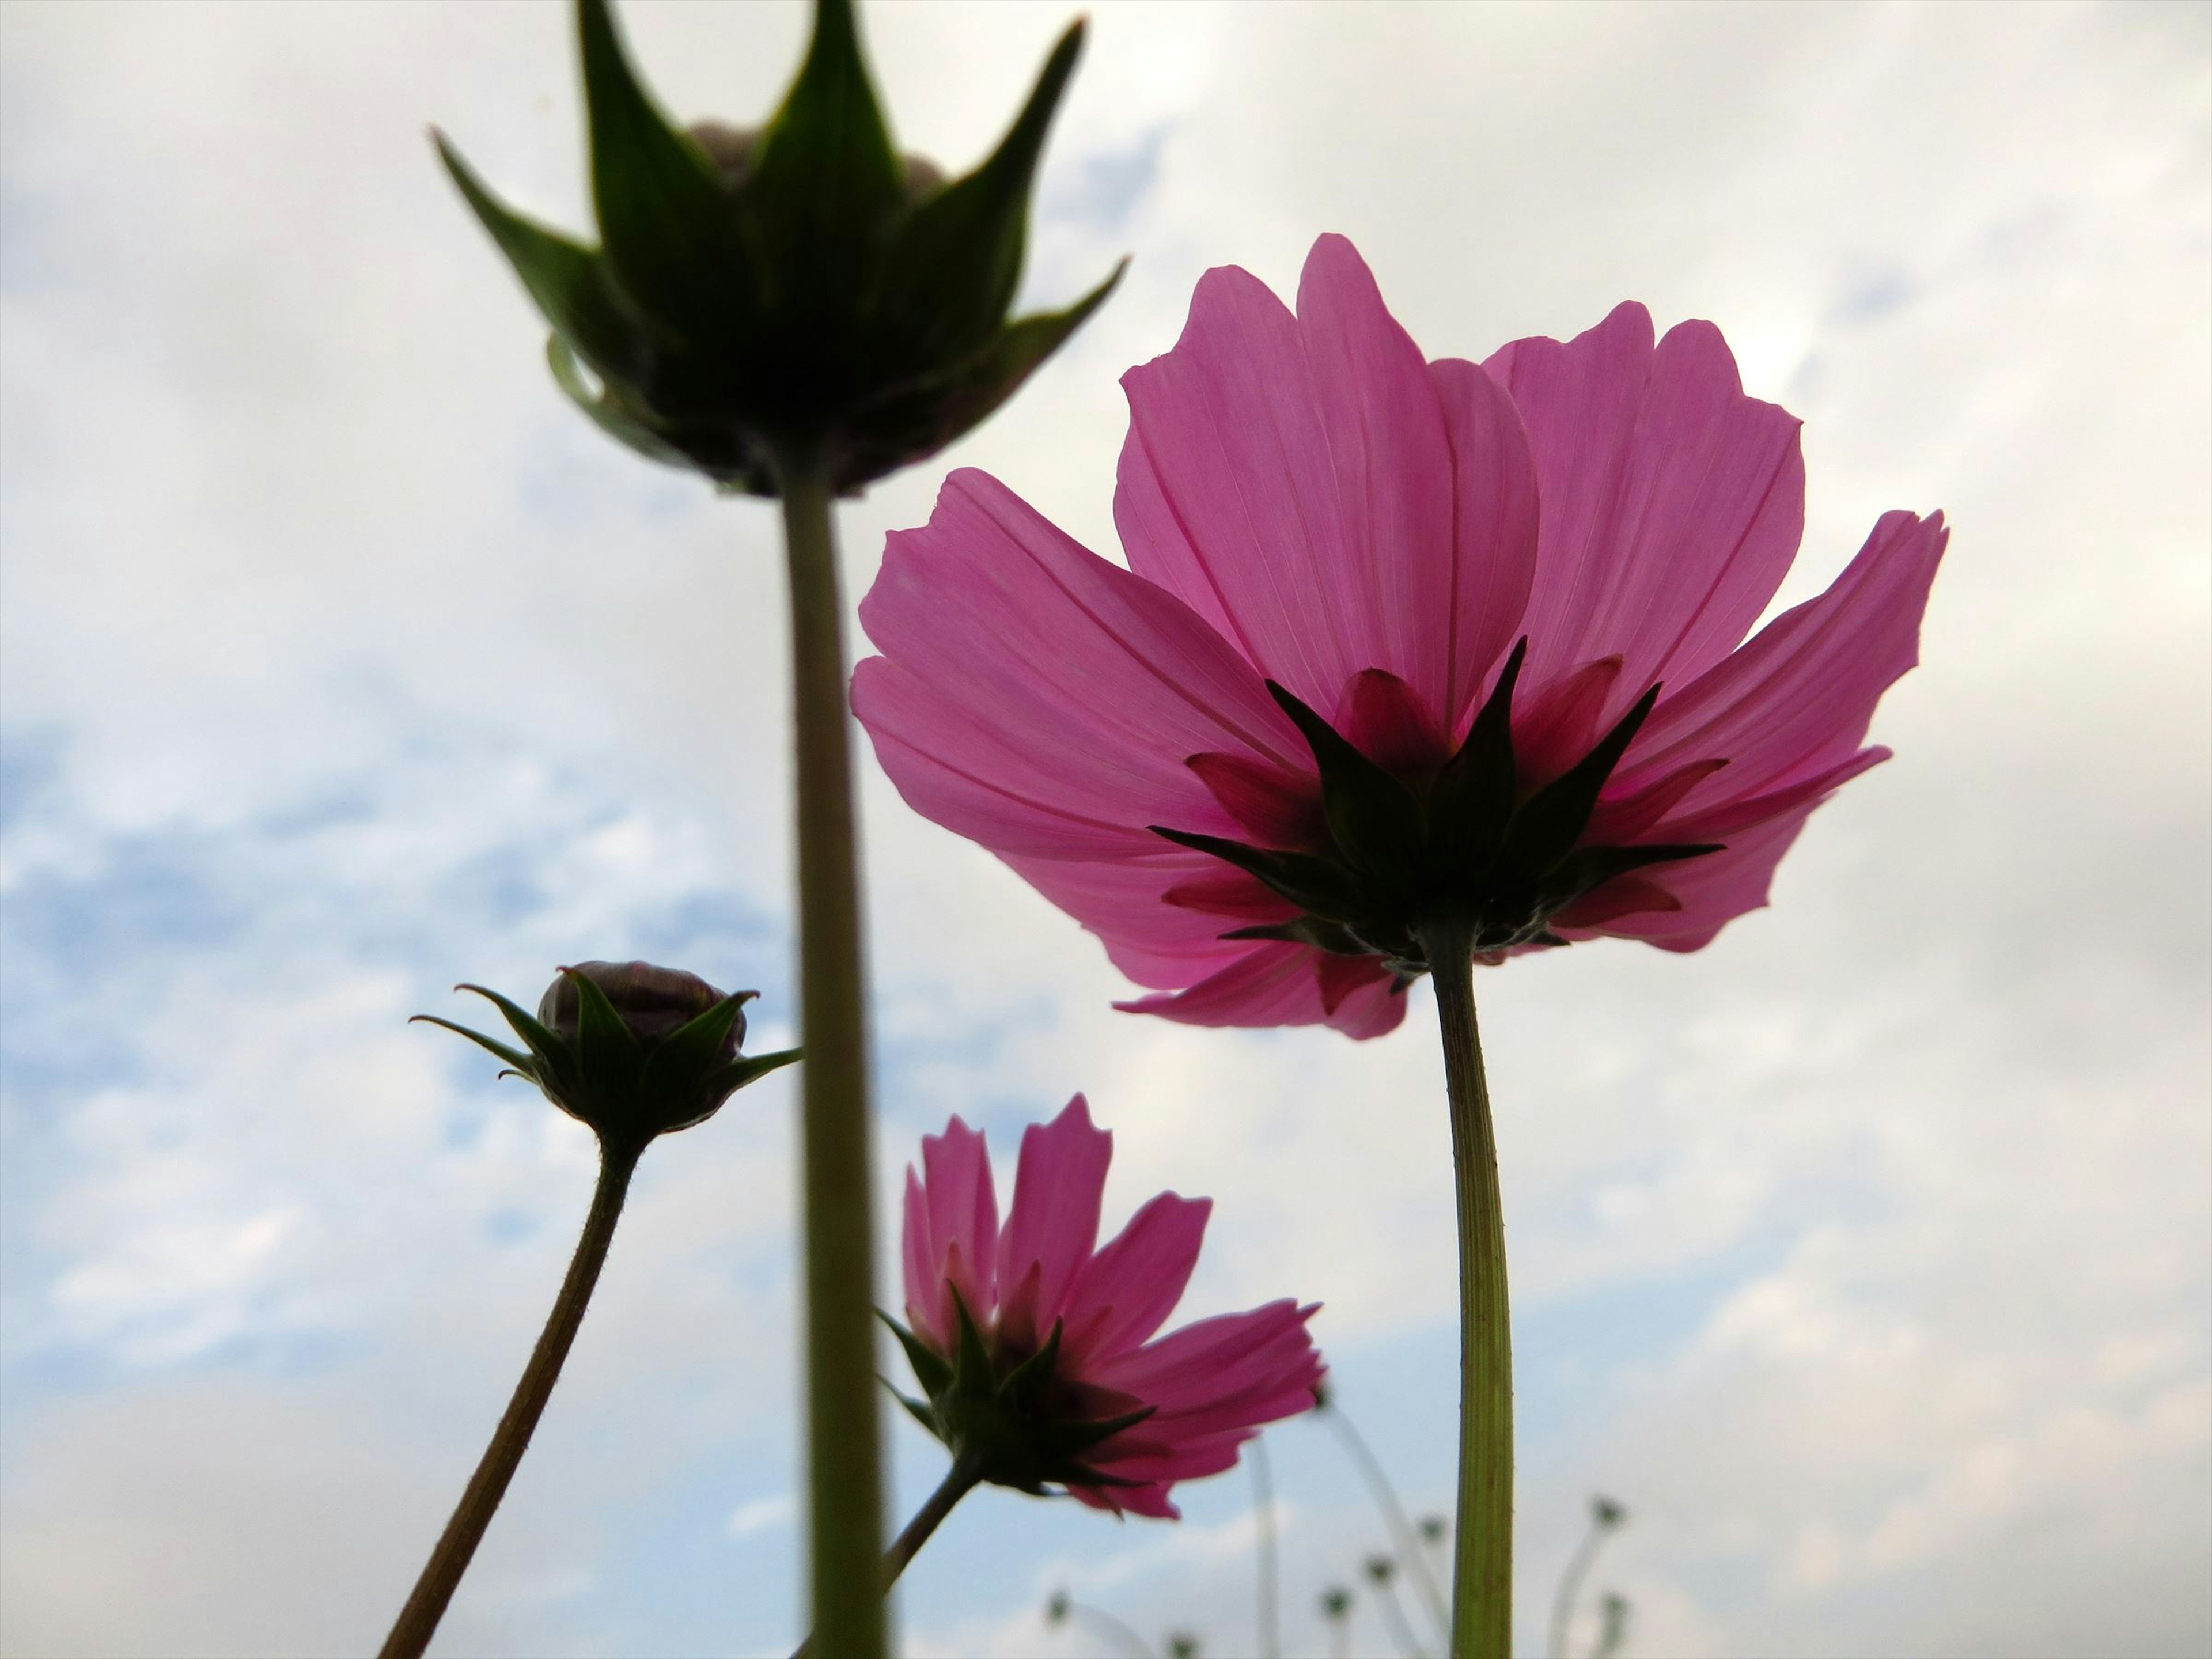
[
  {"x": 1152, "y": 940},
  {"x": 1276, "y": 808},
  {"x": 1150, "y": 1500},
  {"x": 1671, "y": 503},
  {"x": 920, "y": 1267},
  {"x": 1563, "y": 721},
  {"x": 1273, "y": 984},
  {"x": 1716, "y": 890},
  {"x": 1380, "y": 716},
  {"x": 1127, "y": 1289},
  {"x": 1799, "y": 697},
  {"x": 1292, "y": 479},
  {"x": 1189, "y": 1367},
  {"x": 1494, "y": 538},
  {"x": 964, "y": 1214},
  {"x": 1040, "y": 700},
  {"x": 1053, "y": 1224}
]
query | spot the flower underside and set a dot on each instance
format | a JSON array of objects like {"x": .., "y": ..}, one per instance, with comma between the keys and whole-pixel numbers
[
  {"x": 1399, "y": 848},
  {"x": 1009, "y": 1414}
]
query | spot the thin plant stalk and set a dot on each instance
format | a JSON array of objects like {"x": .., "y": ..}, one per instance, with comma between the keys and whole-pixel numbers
[
  {"x": 1263, "y": 1530},
  {"x": 1393, "y": 1615},
  {"x": 1114, "y": 1630},
  {"x": 1571, "y": 1585},
  {"x": 1482, "y": 1540},
  {"x": 418, "y": 1619},
  {"x": 844, "y": 1434},
  {"x": 1402, "y": 1535},
  {"x": 959, "y": 1480}
]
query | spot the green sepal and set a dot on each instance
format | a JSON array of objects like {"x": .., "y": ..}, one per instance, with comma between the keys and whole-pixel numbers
[
  {"x": 1313, "y": 884},
  {"x": 748, "y": 1068},
  {"x": 826, "y": 177},
  {"x": 669, "y": 225},
  {"x": 1076, "y": 1438},
  {"x": 1372, "y": 816},
  {"x": 931, "y": 1368},
  {"x": 1588, "y": 868},
  {"x": 1473, "y": 795},
  {"x": 955, "y": 261},
  {"x": 1024, "y": 1386},
  {"x": 542, "y": 1040},
  {"x": 607, "y": 1054},
  {"x": 971, "y": 1361},
  {"x": 564, "y": 277},
  {"x": 522, "y": 1064},
  {"x": 919, "y": 1412},
  {"x": 612, "y": 418},
  {"x": 915, "y": 418},
  {"x": 683, "y": 1059},
  {"x": 1323, "y": 935},
  {"x": 1549, "y": 821}
]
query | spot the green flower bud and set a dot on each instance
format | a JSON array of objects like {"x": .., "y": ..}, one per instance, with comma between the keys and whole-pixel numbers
[
  {"x": 797, "y": 292},
  {"x": 631, "y": 1049}
]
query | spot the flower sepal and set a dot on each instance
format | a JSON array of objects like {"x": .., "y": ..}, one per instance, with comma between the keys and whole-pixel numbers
[
  {"x": 1008, "y": 1417},
  {"x": 631, "y": 1049},
  {"x": 1471, "y": 841},
  {"x": 798, "y": 291}
]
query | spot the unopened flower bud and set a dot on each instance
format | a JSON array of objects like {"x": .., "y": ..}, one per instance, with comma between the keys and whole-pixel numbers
[
  {"x": 1381, "y": 1569},
  {"x": 797, "y": 295},
  {"x": 631, "y": 1049}
]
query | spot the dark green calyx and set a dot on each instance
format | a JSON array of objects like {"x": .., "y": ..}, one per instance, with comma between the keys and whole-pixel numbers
[
  {"x": 795, "y": 294},
  {"x": 633, "y": 1050},
  {"x": 1009, "y": 1416},
  {"x": 1464, "y": 843}
]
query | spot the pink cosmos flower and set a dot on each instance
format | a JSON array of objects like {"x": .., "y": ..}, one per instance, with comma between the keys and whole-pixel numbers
[
  {"x": 1253, "y": 761},
  {"x": 1035, "y": 1344}
]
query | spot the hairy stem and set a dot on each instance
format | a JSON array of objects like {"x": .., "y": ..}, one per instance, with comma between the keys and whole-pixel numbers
[
  {"x": 418, "y": 1621},
  {"x": 844, "y": 1435},
  {"x": 1482, "y": 1566}
]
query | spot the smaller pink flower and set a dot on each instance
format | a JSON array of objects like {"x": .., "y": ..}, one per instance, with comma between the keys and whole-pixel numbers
[{"x": 1035, "y": 1346}]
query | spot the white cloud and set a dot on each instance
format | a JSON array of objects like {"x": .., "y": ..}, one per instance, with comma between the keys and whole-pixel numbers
[{"x": 357, "y": 665}]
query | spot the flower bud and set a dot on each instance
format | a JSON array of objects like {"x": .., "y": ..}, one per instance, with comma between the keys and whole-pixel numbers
[
  {"x": 631, "y": 1049},
  {"x": 798, "y": 294}
]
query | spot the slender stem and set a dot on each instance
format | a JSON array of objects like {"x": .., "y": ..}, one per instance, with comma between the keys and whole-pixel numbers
[
  {"x": 1482, "y": 1577},
  {"x": 1401, "y": 1632},
  {"x": 959, "y": 1480},
  {"x": 1116, "y": 1633},
  {"x": 844, "y": 1435},
  {"x": 418, "y": 1619},
  {"x": 1570, "y": 1586},
  {"x": 1263, "y": 1528},
  {"x": 1394, "y": 1514}
]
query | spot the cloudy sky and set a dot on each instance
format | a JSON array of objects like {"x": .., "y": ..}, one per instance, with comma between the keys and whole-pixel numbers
[{"x": 1866, "y": 1256}]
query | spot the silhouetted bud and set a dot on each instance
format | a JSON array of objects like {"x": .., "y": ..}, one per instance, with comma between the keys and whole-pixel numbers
[
  {"x": 1381, "y": 1568},
  {"x": 1605, "y": 1513},
  {"x": 793, "y": 294},
  {"x": 1335, "y": 1602},
  {"x": 631, "y": 1049},
  {"x": 1433, "y": 1529}
]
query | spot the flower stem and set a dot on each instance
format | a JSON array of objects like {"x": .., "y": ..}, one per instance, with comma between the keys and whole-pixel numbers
[
  {"x": 441, "y": 1574},
  {"x": 844, "y": 1435},
  {"x": 960, "y": 1479},
  {"x": 1263, "y": 1531},
  {"x": 1571, "y": 1587},
  {"x": 1393, "y": 1513},
  {"x": 1482, "y": 1574}
]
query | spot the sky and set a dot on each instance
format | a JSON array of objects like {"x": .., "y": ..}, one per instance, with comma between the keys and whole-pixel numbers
[{"x": 1866, "y": 1256}]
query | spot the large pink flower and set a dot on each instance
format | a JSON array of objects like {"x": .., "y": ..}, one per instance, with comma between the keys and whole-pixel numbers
[
  {"x": 1340, "y": 553},
  {"x": 1061, "y": 1381}
]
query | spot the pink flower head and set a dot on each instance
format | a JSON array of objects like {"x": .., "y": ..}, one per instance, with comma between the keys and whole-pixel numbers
[
  {"x": 1035, "y": 1344},
  {"x": 1257, "y": 761}
]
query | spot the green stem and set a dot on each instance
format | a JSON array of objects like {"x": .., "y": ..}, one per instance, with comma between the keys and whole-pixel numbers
[
  {"x": 1482, "y": 1567},
  {"x": 1571, "y": 1587},
  {"x": 960, "y": 1479},
  {"x": 1393, "y": 1513},
  {"x": 441, "y": 1574},
  {"x": 844, "y": 1435}
]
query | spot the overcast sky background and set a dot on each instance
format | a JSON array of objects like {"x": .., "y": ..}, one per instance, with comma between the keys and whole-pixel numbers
[{"x": 1866, "y": 1256}]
